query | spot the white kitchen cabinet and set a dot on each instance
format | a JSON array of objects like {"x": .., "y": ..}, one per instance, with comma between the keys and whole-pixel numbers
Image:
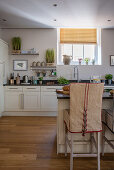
[
  {"x": 3, "y": 71},
  {"x": 13, "y": 98},
  {"x": 49, "y": 98},
  {"x": 31, "y": 98}
]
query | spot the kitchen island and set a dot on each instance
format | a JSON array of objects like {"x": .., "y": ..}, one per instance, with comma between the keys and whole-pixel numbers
[{"x": 80, "y": 147}]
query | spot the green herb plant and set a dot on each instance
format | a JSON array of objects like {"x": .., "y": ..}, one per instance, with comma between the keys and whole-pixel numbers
[
  {"x": 62, "y": 80},
  {"x": 40, "y": 78},
  {"x": 108, "y": 76},
  {"x": 50, "y": 56},
  {"x": 87, "y": 60},
  {"x": 16, "y": 43}
]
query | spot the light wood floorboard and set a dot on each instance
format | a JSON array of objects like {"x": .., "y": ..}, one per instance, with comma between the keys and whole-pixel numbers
[{"x": 29, "y": 143}]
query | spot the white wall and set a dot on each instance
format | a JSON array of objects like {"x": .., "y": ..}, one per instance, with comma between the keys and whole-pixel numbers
[
  {"x": 41, "y": 39},
  {"x": 0, "y": 33}
]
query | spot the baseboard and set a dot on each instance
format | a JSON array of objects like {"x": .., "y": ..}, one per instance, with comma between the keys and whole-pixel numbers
[{"x": 29, "y": 113}]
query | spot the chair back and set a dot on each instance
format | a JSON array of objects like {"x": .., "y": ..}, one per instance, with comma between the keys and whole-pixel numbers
[{"x": 85, "y": 107}]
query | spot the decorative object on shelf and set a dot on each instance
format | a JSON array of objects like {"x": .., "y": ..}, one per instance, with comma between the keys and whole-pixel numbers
[
  {"x": 38, "y": 64},
  {"x": 93, "y": 61},
  {"x": 43, "y": 64},
  {"x": 20, "y": 65},
  {"x": 34, "y": 64},
  {"x": 80, "y": 61},
  {"x": 87, "y": 60},
  {"x": 40, "y": 80},
  {"x": 67, "y": 59},
  {"x": 62, "y": 80},
  {"x": 30, "y": 51},
  {"x": 38, "y": 74},
  {"x": 112, "y": 60},
  {"x": 50, "y": 57},
  {"x": 16, "y": 45},
  {"x": 44, "y": 73},
  {"x": 109, "y": 78}
]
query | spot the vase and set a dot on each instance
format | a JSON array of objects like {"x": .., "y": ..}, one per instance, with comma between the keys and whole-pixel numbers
[{"x": 109, "y": 81}]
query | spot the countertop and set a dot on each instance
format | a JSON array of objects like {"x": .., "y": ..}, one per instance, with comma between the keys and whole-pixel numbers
[{"x": 106, "y": 95}]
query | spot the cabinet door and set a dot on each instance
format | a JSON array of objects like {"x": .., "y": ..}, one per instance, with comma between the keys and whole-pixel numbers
[
  {"x": 31, "y": 101},
  {"x": 48, "y": 101},
  {"x": 13, "y": 101}
]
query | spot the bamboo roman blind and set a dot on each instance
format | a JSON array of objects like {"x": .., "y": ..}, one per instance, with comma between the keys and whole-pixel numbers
[{"x": 81, "y": 36}]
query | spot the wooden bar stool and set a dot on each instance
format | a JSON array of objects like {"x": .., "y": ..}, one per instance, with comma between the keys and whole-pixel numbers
[{"x": 84, "y": 117}]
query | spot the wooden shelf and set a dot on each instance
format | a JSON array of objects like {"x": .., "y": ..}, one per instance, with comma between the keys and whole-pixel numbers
[
  {"x": 43, "y": 68},
  {"x": 24, "y": 54}
]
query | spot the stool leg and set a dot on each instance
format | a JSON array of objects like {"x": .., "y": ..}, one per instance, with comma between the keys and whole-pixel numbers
[
  {"x": 91, "y": 142},
  {"x": 65, "y": 140},
  {"x": 103, "y": 141},
  {"x": 71, "y": 153},
  {"x": 98, "y": 150}
]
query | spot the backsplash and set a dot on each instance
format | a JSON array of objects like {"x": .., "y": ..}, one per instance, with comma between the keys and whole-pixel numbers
[{"x": 41, "y": 39}]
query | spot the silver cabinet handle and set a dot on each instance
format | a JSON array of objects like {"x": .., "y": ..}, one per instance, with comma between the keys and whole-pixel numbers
[
  {"x": 13, "y": 88},
  {"x": 22, "y": 101},
  {"x": 51, "y": 88},
  {"x": 30, "y": 88}
]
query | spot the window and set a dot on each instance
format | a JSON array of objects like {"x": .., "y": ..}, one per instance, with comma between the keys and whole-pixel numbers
[{"x": 80, "y": 50}]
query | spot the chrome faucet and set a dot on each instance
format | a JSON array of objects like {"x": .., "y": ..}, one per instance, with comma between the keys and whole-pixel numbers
[{"x": 76, "y": 73}]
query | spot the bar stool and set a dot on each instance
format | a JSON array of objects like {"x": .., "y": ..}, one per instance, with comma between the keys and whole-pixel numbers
[
  {"x": 84, "y": 117},
  {"x": 108, "y": 124}
]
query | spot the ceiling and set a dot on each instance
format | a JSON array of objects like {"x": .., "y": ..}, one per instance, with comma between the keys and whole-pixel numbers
[{"x": 68, "y": 13}]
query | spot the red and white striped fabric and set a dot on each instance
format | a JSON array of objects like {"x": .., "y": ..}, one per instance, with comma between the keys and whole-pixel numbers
[{"x": 84, "y": 115}]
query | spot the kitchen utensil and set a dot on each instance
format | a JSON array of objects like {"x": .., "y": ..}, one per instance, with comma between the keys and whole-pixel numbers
[{"x": 25, "y": 79}]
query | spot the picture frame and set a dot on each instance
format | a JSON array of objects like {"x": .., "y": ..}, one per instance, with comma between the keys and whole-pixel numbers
[
  {"x": 20, "y": 65},
  {"x": 111, "y": 60}
]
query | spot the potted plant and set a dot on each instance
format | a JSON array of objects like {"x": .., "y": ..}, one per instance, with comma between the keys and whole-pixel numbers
[
  {"x": 93, "y": 61},
  {"x": 50, "y": 57},
  {"x": 80, "y": 60},
  {"x": 40, "y": 80},
  {"x": 109, "y": 78},
  {"x": 16, "y": 45},
  {"x": 87, "y": 60}
]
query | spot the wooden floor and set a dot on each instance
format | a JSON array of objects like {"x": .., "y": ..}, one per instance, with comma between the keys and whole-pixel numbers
[{"x": 29, "y": 143}]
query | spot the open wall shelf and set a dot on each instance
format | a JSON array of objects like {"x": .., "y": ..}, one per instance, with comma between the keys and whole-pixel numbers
[
  {"x": 24, "y": 54},
  {"x": 43, "y": 68}
]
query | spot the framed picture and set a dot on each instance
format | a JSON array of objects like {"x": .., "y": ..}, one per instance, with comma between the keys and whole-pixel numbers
[
  {"x": 20, "y": 65},
  {"x": 112, "y": 60}
]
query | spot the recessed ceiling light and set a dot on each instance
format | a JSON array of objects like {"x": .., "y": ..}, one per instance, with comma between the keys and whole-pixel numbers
[
  {"x": 55, "y": 5},
  {"x": 2, "y": 20},
  {"x": 55, "y": 20},
  {"x": 109, "y": 20}
]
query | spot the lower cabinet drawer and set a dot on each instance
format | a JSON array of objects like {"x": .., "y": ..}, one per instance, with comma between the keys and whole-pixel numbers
[
  {"x": 50, "y": 88},
  {"x": 14, "y": 88},
  {"x": 31, "y": 88}
]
